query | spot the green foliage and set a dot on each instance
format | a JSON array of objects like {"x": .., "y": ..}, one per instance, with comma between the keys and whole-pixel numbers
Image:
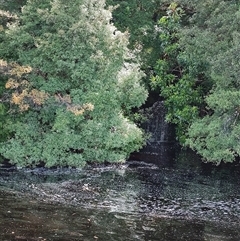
[
  {"x": 9, "y": 10},
  {"x": 140, "y": 18},
  {"x": 5, "y": 122},
  {"x": 216, "y": 136},
  {"x": 176, "y": 84},
  {"x": 83, "y": 78},
  {"x": 199, "y": 80},
  {"x": 12, "y": 5},
  {"x": 72, "y": 106}
]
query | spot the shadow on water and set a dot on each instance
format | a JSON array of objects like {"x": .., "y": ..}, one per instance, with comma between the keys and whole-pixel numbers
[
  {"x": 134, "y": 201},
  {"x": 23, "y": 219}
]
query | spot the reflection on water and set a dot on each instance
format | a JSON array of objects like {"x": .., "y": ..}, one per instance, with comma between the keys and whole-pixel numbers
[
  {"x": 23, "y": 219},
  {"x": 128, "y": 202}
]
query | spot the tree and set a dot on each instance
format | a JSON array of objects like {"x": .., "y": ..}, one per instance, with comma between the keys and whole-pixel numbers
[
  {"x": 199, "y": 80},
  {"x": 8, "y": 14},
  {"x": 12, "y": 5},
  {"x": 216, "y": 39},
  {"x": 173, "y": 77},
  {"x": 140, "y": 19},
  {"x": 71, "y": 83},
  {"x": 4, "y": 117}
]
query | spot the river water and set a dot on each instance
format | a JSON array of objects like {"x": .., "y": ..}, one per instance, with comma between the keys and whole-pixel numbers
[{"x": 133, "y": 201}]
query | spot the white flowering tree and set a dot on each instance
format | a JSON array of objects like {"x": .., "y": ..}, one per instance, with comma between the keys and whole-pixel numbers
[{"x": 72, "y": 79}]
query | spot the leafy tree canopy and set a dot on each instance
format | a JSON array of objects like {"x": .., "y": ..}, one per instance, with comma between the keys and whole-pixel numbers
[
  {"x": 214, "y": 38},
  {"x": 173, "y": 77},
  {"x": 71, "y": 79},
  {"x": 198, "y": 76}
]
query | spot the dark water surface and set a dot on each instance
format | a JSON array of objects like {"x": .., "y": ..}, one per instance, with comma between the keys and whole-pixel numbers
[
  {"x": 30, "y": 220},
  {"x": 127, "y": 202}
]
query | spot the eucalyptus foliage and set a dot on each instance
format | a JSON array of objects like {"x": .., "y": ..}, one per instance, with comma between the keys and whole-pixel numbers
[{"x": 77, "y": 78}]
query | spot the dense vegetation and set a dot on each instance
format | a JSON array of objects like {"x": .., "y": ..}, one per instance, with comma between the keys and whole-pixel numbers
[
  {"x": 71, "y": 79},
  {"x": 69, "y": 82}
]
